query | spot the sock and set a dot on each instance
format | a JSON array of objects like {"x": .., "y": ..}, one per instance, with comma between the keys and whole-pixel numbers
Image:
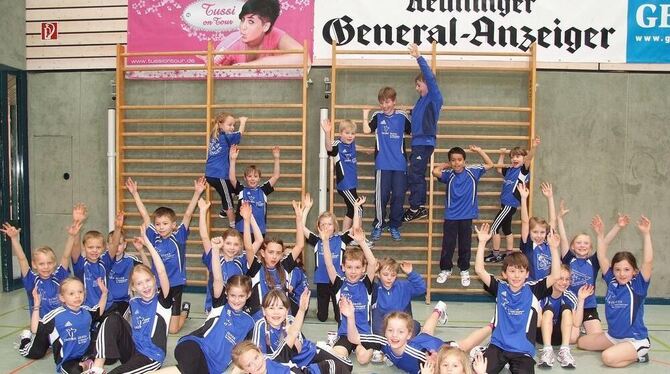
[
  {"x": 565, "y": 347},
  {"x": 546, "y": 347}
]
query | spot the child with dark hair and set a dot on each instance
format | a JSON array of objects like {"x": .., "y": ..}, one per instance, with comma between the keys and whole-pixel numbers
[
  {"x": 257, "y": 32},
  {"x": 461, "y": 207}
]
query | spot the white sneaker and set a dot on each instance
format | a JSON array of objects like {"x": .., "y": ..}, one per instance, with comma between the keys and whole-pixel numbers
[
  {"x": 332, "y": 338},
  {"x": 565, "y": 358},
  {"x": 546, "y": 358},
  {"x": 25, "y": 334},
  {"x": 443, "y": 276},
  {"x": 441, "y": 308},
  {"x": 465, "y": 278},
  {"x": 475, "y": 350},
  {"x": 377, "y": 357}
]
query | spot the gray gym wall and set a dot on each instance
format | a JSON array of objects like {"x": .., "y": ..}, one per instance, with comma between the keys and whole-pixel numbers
[
  {"x": 12, "y": 37},
  {"x": 604, "y": 145}
]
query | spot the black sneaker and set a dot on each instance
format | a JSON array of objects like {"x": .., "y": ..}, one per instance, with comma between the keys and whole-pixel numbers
[
  {"x": 644, "y": 358},
  {"x": 411, "y": 215},
  {"x": 223, "y": 214},
  {"x": 186, "y": 306},
  {"x": 491, "y": 257}
]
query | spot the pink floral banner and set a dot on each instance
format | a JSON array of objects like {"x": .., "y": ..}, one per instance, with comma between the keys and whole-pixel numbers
[{"x": 232, "y": 25}]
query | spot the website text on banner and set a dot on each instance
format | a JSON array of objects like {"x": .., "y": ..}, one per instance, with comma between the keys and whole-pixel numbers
[
  {"x": 232, "y": 25},
  {"x": 565, "y": 31},
  {"x": 648, "y": 31}
]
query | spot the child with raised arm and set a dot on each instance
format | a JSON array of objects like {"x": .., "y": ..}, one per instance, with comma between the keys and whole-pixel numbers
[
  {"x": 67, "y": 329},
  {"x": 338, "y": 245},
  {"x": 510, "y": 200},
  {"x": 627, "y": 338},
  {"x": 252, "y": 191},
  {"x": 170, "y": 243},
  {"x": 517, "y": 305},
  {"x": 461, "y": 207},
  {"x": 140, "y": 344},
  {"x": 221, "y": 138},
  {"x": 584, "y": 264},
  {"x": 534, "y": 233},
  {"x": 390, "y": 126},
  {"x": 270, "y": 269},
  {"x": 356, "y": 285},
  {"x": 231, "y": 260},
  {"x": 425, "y": 114}
]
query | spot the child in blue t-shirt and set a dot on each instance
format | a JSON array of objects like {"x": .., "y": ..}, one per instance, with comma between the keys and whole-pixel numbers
[
  {"x": 510, "y": 200},
  {"x": 390, "y": 126},
  {"x": 252, "y": 191},
  {"x": 67, "y": 329},
  {"x": 140, "y": 344},
  {"x": 119, "y": 275},
  {"x": 170, "y": 243},
  {"x": 460, "y": 208},
  {"x": 627, "y": 338},
  {"x": 517, "y": 305},
  {"x": 222, "y": 137},
  {"x": 231, "y": 260},
  {"x": 534, "y": 233},
  {"x": 248, "y": 358},
  {"x": 425, "y": 114}
]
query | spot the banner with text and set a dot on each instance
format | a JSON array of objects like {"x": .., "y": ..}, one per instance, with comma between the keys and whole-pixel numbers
[
  {"x": 233, "y": 25},
  {"x": 648, "y": 31},
  {"x": 565, "y": 31}
]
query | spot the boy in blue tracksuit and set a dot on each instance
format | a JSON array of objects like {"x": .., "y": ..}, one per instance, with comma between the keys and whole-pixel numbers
[
  {"x": 389, "y": 126},
  {"x": 425, "y": 114}
]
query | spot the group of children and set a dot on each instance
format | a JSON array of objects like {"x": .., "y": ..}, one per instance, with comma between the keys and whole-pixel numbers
[{"x": 111, "y": 306}]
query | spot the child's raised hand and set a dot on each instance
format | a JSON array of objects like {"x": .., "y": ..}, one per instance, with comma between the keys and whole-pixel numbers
[
  {"x": 200, "y": 185},
  {"x": 325, "y": 233},
  {"x": 9, "y": 230},
  {"x": 597, "y": 225},
  {"x": 562, "y": 209},
  {"x": 245, "y": 210},
  {"x": 138, "y": 243},
  {"x": 553, "y": 239},
  {"x": 475, "y": 148},
  {"x": 644, "y": 225},
  {"x": 479, "y": 364},
  {"x": 414, "y": 50},
  {"x": 483, "y": 232},
  {"x": 307, "y": 201},
  {"x": 346, "y": 307},
  {"x": 217, "y": 242},
  {"x": 297, "y": 208},
  {"x": 360, "y": 201},
  {"x": 203, "y": 204},
  {"x": 243, "y": 120},
  {"x": 276, "y": 152},
  {"x": 131, "y": 186},
  {"x": 304, "y": 300},
  {"x": 523, "y": 190},
  {"x": 503, "y": 151},
  {"x": 79, "y": 212},
  {"x": 118, "y": 220},
  {"x": 234, "y": 152},
  {"x": 74, "y": 228},
  {"x": 622, "y": 220},
  {"x": 358, "y": 234},
  {"x": 547, "y": 190},
  {"x": 406, "y": 267},
  {"x": 427, "y": 368},
  {"x": 101, "y": 285},
  {"x": 536, "y": 142},
  {"x": 585, "y": 291},
  {"x": 326, "y": 125}
]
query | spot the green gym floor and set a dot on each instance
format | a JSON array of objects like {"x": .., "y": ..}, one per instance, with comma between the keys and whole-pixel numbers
[{"x": 463, "y": 318}]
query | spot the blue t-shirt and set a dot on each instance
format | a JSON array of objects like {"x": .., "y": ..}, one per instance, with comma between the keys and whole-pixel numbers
[
  {"x": 218, "y": 163},
  {"x": 272, "y": 343},
  {"x": 461, "y": 200},
  {"x": 624, "y": 307},
  {"x": 172, "y": 251},
  {"x": 237, "y": 265},
  {"x": 119, "y": 277},
  {"x": 360, "y": 294},
  {"x": 260, "y": 284},
  {"x": 48, "y": 288},
  {"x": 149, "y": 321},
  {"x": 584, "y": 271},
  {"x": 566, "y": 300},
  {"x": 390, "y": 142},
  {"x": 426, "y": 111},
  {"x": 346, "y": 173},
  {"x": 398, "y": 297},
  {"x": 515, "y": 320},
  {"x": 89, "y": 272},
  {"x": 298, "y": 282},
  {"x": 258, "y": 199},
  {"x": 509, "y": 195},
  {"x": 338, "y": 245},
  {"x": 539, "y": 258},
  {"x": 69, "y": 333},
  {"x": 222, "y": 330}
]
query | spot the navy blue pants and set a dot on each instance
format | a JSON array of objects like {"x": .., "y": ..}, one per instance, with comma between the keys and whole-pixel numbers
[
  {"x": 453, "y": 231},
  {"x": 390, "y": 186},
  {"x": 416, "y": 177}
]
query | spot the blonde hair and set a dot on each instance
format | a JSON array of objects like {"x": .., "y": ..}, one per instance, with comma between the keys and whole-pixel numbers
[
  {"x": 242, "y": 348},
  {"x": 534, "y": 221},
  {"x": 45, "y": 250},
  {"x": 93, "y": 235},
  {"x": 447, "y": 351},
  {"x": 141, "y": 268},
  {"x": 67, "y": 281},
  {"x": 222, "y": 116},
  {"x": 330, "y": 215},
  {"x": 347, "y": 124},
  {"x": 388, "y": 263},
  {"x": 409, "y": 321},
  {"x": 354, "y": 254}
]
